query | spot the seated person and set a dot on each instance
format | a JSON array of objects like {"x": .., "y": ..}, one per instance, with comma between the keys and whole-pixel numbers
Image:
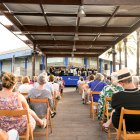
[
  {"x": 96, "y": 85},
  {"x": 129, "y": 99},
  {"x": 108, "y": 91},
  {"x": 87, "y": 92},
  {"x": 41, "y": 92},
  {"x": 25, "y": 87},
  {"x": 55, "y": 86},
  {"x": 10, "y": 135},
  {"x": 10, "y": 100},
  {"x": 19, "y": 82}
]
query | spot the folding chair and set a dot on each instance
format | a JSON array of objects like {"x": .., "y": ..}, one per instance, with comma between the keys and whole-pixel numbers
[
  {"x": 107, "y": 114},
  {"x": 48, "y": 116},
  {"x": 14, "y": 113},
  {"x": 122, "y": 126},
  {"x": 54, "y": 101},
  {"x": 93, "y": 114}
]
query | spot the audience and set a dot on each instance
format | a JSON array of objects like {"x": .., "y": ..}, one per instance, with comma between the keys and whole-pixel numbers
[
  {"x": 108, "y": 91},
  {"x": 129, "y": 99},
  {"x": 10, "y": 100},
  {"x": 55, "y": 86},
  {"x": 87, "y": 92},
  {"x": 35, "y": 83},
  {"x": 96, "y": 85},
  {"x": 25, "y": 87},
  {"x": 19, "y": 82},
  {"x": 41, "y": 92},
  {"x": 135, "y": 80}
]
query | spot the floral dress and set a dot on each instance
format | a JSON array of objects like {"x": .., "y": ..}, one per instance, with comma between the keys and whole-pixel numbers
[
  {"x": 7, "y": 123},
  {"x": 107, "y": 91}
]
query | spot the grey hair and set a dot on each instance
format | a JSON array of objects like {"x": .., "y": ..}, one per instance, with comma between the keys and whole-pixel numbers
[
  {"x": 114, "y": 76},
  {"x": 42, "y": 78},
  {"x": 135, "y": 80},
  {"x": 99, "y": 76}
]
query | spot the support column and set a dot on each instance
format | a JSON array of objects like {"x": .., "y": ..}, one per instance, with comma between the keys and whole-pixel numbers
[
  {"x": 26, "y": 65},
  {"x": 125, "y": 55},
  {"x": 100, "y": 61},
  {"x": 0, "y": 66},
  {"x": 86, "y": 62},
  {"x": 46, "y": 65},
  {"x": 138, "y": 50},
  {"x": 110, "y": 67},
  {"x": 13, "y": 64},
  {"x": 114, "y": 58},
  {"x": 43, "y": 61},
  {"x": 98, "y": 64},
  {"x": 66, "y": 62},
  {"x": 33, "y": 60}
]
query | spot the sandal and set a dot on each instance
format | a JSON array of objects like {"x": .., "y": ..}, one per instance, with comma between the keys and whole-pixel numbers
[
  {"x": 105, "y": 129},
  {"x": 44, "y": 120},
  {"x": 53, "y": 114}
]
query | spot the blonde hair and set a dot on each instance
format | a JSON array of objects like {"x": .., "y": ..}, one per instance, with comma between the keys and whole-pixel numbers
[
  {"x": 8, "y": 80},
  {"x": 99, "y": 76},
  {"x": 25, "y": 80},
  {"x": 51, "y": 78}
]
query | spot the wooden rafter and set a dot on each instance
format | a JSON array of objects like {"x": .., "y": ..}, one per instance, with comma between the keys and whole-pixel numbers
[
  {"x": 71, "y": 29},
  {"x": 68, "y": 43},
  {"x": 77, "y": 2}
]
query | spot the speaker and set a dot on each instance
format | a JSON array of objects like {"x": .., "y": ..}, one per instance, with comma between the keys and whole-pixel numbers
[
  {"x": 41, "y": 67},
  {"x": 105, "y": 67}
]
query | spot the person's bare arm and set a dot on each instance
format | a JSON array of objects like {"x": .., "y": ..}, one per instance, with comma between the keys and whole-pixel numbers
[{"x": 22, "y": 101}]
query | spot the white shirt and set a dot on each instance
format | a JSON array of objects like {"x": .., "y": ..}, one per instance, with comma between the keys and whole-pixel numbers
[{"x": 25, "y": 88}]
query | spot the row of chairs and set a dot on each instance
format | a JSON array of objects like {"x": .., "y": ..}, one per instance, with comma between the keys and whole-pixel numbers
[{"x": 121, "y": 132}]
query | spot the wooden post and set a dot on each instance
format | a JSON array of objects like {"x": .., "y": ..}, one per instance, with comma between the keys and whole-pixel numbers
[
  {"x": 98, "y": 63},
  {"x": 33, "y": 60},
  {"x": 13, "y": 64},
  {"x": 138, "y": 50},
  {"x": 114, "y": 58},
  {"x": 46, "y": 63},
  {"x": 125, "y": 55}
]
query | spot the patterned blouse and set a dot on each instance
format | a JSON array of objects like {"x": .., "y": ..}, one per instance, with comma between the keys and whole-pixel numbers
[
  {"x": 7, "y": 123},
  {"x": 107, "y": 91}
]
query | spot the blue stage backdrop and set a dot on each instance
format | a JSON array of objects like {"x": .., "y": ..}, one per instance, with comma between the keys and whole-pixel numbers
[{"x": 71, "y": 80}]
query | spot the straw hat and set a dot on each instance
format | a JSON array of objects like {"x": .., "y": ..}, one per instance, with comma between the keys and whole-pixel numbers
[{"x": 123, "y": 74}]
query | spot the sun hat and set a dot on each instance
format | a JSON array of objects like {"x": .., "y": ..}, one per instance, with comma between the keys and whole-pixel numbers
[{"x": 123, "y": 74}]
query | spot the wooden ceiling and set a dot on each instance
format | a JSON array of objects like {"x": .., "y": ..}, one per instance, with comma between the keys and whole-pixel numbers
[{"x": 53, "y": 26}]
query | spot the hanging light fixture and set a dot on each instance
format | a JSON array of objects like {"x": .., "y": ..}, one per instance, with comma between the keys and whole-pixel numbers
[
  {"x": 72, "y": 54},
  {"x": 74, "y": 48},
  {"x": 76, "y": 37},
  {"x": 81, "y": 12}
]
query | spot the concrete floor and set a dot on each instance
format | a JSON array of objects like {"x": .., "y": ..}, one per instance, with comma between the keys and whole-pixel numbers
[{"x": 72, "y": 121}]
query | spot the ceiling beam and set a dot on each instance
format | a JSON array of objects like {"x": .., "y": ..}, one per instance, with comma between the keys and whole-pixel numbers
[
  {"x": 69, "y": 55},
  {"x": 56, "y": 2},
  {"x": 112, "y": 2},
  {"x": 77, "y": 2},
  {"x": 70, "y": 50},
  {"x": 71, "y": 29},
  {"x": 69, "y": 43},
  {"x": 72, "y": 15}
]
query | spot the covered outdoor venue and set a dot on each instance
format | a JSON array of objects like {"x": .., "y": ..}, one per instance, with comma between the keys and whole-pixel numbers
[{"x": 74, "y": 28}]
